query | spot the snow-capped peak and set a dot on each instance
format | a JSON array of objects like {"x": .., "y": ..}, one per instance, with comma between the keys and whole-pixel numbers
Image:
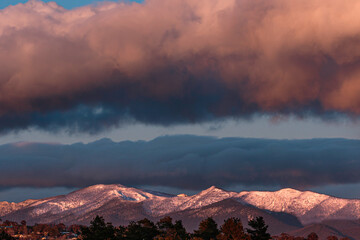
[
  {"x": 307, "y": 206},
  {"x": 114, "y": 191},
  {"x": 212, "y": 189},
  {"x": 289, "y": 191}
]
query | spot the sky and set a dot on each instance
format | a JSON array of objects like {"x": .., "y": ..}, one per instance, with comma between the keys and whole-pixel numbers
[
  {"x": 68, "y": 4},
  {"x": 277, "y": 72}
]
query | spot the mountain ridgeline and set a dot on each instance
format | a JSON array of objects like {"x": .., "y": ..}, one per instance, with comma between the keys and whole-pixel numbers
[{"x": 286, "y": 210}]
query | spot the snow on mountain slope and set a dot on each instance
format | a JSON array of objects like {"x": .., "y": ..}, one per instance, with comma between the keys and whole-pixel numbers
[
  {"x": 7, "y": 207},
  {"x": 289, "y": 200},
  {"x": 183, "y": 202},
  {"x": 308, "y": 206},
  {"x": 206, "y": 197},
  {"x": 90, "y": 198}
]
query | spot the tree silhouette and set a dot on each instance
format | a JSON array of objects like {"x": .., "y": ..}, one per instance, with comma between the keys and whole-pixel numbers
[
  {"x": 207, "y": 229},
  {"x": 168, "y": 230},
  {"x": 98, "y": 230},
  {"x": 312, "y": 236},
  {"x": 143, "y": 229},
  {"x": 165, "y": 224},
  {"x": 232, "y": 229},
  {"x": 259, "y": 229},
  {"x": 180, "y": 230}
]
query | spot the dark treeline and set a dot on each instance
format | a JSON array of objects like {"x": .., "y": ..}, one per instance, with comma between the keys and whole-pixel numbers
[{"x": 164, "y": 229}]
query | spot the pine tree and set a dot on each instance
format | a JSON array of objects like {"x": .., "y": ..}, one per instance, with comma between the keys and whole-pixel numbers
[
  {"x": 143, "y": 229},
  {"x": 313, "y": 236},
  {"x": 168, "y": 230},
  {"x": 207, "y": 229},
  {"x": 98, "y": 230},
  {"x": 259, "y": 229},
  {"x": 180, "y": 230},
  {"x": 232, "y": 229}
]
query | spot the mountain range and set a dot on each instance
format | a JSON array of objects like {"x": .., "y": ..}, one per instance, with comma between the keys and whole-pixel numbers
[{"x": 286, "y": 210}]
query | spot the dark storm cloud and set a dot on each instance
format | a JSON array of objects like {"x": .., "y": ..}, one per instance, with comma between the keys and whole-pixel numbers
[
  {"x": 178, "y": 61},
  {"x": 186, "y": 162}
]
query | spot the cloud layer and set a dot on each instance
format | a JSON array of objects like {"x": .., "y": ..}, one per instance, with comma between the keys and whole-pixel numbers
[
  {"x": 185, "y": 162},
  {"x": 176, "y": 61}
]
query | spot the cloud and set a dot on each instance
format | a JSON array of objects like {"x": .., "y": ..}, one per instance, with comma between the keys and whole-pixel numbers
[
  {"x": 178, "y": 61},
  {"x": 184, "y": 162}
]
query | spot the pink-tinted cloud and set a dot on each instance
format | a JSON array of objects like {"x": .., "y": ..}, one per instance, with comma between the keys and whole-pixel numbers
[{"x": 173, "y": 61}]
